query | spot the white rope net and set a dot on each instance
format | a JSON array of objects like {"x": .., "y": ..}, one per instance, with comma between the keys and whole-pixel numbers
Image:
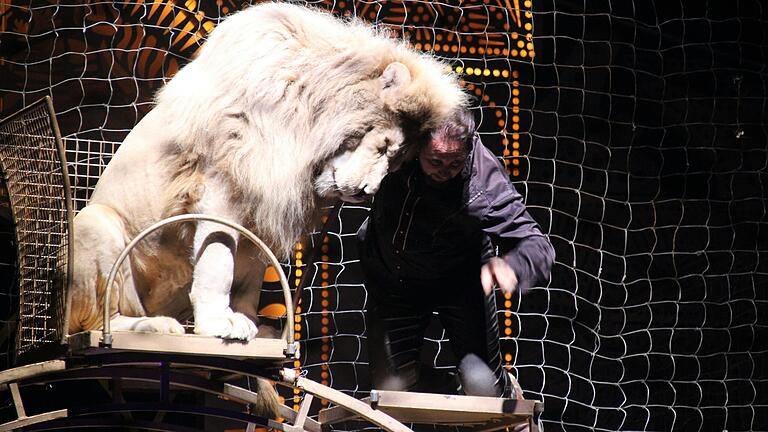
[{"x": 635, "y": 130}]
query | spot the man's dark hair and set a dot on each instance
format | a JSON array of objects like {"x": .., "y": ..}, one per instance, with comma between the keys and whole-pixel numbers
[{"x": 459, "y": 128}]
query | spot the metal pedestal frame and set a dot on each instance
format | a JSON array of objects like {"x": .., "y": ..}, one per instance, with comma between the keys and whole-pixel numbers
[{"x": 171, "y": 371}]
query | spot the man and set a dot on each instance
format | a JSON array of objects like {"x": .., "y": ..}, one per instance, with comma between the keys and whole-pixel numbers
[{"x": 429, "y": 245}]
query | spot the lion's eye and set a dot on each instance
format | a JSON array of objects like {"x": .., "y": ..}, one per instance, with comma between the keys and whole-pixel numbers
[{"x": 350, "y": 143}]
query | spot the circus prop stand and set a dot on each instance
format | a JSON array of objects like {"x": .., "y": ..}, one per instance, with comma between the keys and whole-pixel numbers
[{"x": 33, "y": 163}]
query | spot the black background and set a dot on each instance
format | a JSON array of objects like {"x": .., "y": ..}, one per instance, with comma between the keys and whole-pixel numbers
[{"x": 643, "y": 155}]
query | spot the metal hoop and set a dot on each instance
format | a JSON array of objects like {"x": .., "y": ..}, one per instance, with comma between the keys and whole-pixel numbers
[{"x": 288, "y": 333}]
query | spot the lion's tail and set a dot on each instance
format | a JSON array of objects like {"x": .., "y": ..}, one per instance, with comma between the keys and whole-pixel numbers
[{"x": 268, "y": 402}]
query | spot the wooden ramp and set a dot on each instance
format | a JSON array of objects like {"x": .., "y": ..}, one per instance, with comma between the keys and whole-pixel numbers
[{"x": 483, "y": 413}]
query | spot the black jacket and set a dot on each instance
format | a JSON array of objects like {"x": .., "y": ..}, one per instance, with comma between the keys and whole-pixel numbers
[{"x": 418, "y": 231}]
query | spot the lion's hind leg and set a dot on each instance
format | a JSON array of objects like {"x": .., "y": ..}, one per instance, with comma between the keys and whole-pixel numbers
[{"x": 99, "y": 238}]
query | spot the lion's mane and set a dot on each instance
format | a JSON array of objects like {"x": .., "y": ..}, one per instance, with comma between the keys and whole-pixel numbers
[{"x": 266, "y": 109}]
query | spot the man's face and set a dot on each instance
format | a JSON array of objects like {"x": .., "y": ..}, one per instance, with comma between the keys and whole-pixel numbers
[{"x": 442, "y": 160}]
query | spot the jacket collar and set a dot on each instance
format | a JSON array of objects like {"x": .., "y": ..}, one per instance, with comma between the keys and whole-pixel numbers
[{"x": 466, "y": 172}]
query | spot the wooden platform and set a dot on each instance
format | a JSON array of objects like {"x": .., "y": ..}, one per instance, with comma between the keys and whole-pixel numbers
[
  {"x": 259, "y": 348},
  {"x": 485, "y": 413},
  {"x": 117, "y": 370}
]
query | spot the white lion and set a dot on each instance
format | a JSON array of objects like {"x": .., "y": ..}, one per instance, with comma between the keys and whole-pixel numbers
[{"x": 284, "y": 106}]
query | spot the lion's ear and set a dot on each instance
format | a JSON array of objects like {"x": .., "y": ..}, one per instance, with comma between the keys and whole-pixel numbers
[{"x": 394, "y": 80}]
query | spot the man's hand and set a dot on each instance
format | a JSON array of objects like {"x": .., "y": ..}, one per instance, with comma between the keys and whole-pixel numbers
[{"x": 498, "y": 271}]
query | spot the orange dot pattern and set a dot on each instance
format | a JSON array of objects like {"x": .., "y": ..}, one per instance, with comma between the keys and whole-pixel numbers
[
  {"x": 298, "y": 259},
  {"x": 324, "y": 321}
]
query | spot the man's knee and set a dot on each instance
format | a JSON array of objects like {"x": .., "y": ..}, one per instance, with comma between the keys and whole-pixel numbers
[
  {"x": 477, "y": 379},
  {"x": 390, "y": 382}
]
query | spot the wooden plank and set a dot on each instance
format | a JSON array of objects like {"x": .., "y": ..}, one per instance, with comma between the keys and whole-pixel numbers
[
  {"x": 17, "y": 402},
  {"x": 450, "y": 409},
  {"x": 334, "y": 396},
  {"x": 289, "y": 414},
  {"x": 442, "y": 402},
  {"x": 301, "y": 415},
  {"x": 338, "y": 414},
  {"x": 27, "y": 421},
  {"x": 259, "y": 348},
  {"x": 23, "y": 372},
  {"x": 428, "y": 408}
]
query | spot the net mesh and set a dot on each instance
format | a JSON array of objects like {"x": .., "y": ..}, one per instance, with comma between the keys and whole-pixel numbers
[{"x": 635, "y": 130}]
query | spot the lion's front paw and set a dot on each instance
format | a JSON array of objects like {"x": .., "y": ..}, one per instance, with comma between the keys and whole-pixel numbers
[
  {"x": 159, "y": 324},
  {"x": 232, "y": 325}
]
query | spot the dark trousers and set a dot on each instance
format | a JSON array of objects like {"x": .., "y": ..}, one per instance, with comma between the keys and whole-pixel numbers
[{"x": 399, "y": 311}]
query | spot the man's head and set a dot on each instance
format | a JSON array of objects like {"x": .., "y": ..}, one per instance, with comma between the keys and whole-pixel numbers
[{"x": 442, "y": 157}]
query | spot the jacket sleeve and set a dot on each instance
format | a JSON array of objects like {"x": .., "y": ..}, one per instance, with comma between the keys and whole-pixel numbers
[{"x": 504, "y": 218}]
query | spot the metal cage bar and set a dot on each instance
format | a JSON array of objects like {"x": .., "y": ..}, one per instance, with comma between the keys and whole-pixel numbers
[{"x": 34, "y": 168}]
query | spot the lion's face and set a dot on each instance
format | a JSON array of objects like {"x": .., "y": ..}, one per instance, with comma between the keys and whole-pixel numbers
[
  {"x": 357, "y": 172},
  {"x": 380, "y": 133}
]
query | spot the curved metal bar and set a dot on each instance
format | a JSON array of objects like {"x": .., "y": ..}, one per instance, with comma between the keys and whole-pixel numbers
[
  {"x": 168, "y": 407},
  {"x": 127, "y": 371},
  {"x": 74, "y": 414},
  {"x": 68, "y": 205},
  {"x": 288, "y": 334},
  {"x": 81, "y": 424}
]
